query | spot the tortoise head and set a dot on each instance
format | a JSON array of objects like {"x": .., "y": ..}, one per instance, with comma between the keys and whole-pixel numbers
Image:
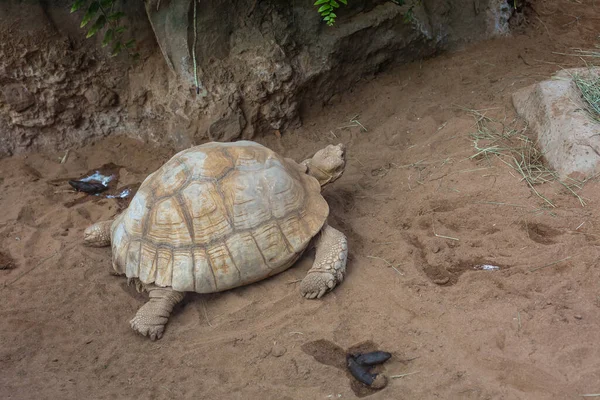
[
  {"x": 327, "y": 164},
  {"x": 97, "y": 235}
]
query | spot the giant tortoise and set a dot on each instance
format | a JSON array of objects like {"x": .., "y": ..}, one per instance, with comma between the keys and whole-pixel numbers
[{"x": 222, "y": 215}]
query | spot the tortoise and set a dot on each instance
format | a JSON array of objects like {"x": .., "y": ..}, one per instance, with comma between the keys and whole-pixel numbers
[{"x": 223, "y": 215}]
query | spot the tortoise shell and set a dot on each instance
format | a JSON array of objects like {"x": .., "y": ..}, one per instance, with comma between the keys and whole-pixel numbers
[{"x": 218, "y": 216}]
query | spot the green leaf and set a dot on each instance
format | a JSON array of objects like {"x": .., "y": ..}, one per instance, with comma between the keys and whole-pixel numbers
[
  {"x": 324, "y": 8},
  {"x": 99, "y": 24},
  {"x": 108, "y": 37},
  {"x": 319, "y": 2},
  {"x": 117, "y": 48},
  {"x": 324, "y": 13},
  {"x": 116, "y": 16},
  {"x": 344, "y": 1},
  {"x": 332, "y": 15},
  {"x": 89, "y": 14},
  {"x": 106, "y": 3},
  {"x": 120, "y": 29},
  {"x": 77, "y": 5},
  {"x": 327, "y": 18},
  {"x": 335, "y": 3},
  {"x": 130, "y": 43}
]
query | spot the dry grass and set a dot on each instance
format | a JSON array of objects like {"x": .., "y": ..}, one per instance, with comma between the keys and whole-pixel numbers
[
  {"x": 511, "y": 145},
  {"x": 588, "y": 85},
  {"x": 590, "y": 91}
]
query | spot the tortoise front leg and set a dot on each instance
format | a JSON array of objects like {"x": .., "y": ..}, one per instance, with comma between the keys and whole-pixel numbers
[
  {"x": 329, "y": 267},
  {"x": 152, "y": 317}
]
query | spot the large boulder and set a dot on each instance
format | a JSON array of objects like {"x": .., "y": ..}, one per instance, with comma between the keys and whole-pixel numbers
[{"x": 567, "y": 135}]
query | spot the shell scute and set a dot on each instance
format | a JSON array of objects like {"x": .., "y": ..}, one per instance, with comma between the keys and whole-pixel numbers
[
  {"x": 183, "y": 271},
  {"x": 119, "y": 250},
  {"x": 164, "y": 267},
  {"x": 206, "y": 164},
  {"x": 133, "y": 259},
  {"x": 136, "y": 212},
  {"x": 272, "y": 244},
  {"x": 207, "y": 211},
  {"x": 285, "y": 194},
  {"x": 226, "y": 273},
  {"x": 296, "y": 232},
  {"x": 169, "y": 178},
  {"x": 245, "y": 195},
  {"x": 168, "y": 224},
  {"x": 203, "y": 273},
  {"x": 248, "y": 158},
  {"x": 244, "y": 251},
  {"x": 147, "y": 263}
]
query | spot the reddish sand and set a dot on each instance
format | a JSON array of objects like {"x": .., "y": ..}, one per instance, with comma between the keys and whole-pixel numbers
[{"x": 420, "y": 216}]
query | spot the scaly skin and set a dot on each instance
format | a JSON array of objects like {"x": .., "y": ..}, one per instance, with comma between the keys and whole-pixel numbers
[
  {"x": 329, "y": 267},
  {"x": 327, "y": 165},
  {"x": 152, "y": 317},
  {"x": 98, "y": 235}
]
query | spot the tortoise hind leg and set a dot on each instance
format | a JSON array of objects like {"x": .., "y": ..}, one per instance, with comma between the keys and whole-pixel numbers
[
  {"x": 152, "y": 317},
  {"x": 329, "y": 267}
]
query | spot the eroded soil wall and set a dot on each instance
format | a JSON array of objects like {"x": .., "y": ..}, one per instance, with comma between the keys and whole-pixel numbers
[{"x": 259, "y": 64}]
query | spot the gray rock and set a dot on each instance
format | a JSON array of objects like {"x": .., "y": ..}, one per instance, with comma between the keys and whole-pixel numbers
[
  {"x": 554, "y": 110},
  {"x": 278, "y": 350},
  {"x": 228, "y": 126},
  {"x": 18, "y": 97}
]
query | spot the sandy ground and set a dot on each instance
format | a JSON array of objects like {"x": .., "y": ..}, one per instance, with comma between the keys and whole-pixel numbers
[{"x": 420, "y": 216}]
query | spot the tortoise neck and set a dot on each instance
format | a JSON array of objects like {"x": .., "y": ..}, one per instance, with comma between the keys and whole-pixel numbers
[
  {"x": 313, "y": 170},
  {"x": 104, "y": 233}
]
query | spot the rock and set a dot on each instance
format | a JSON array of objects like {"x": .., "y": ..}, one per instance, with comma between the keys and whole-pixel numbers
[
  {"x": 26, "y": 216},
  {"x": 71, "y": 117},
  {"x": 442, "y": 280},
  {"x": 568, "y": 137},
  {"x": 18, "y": 97},
  {"x": 278, "y": 350},
  {"x": 100, "y": 96},
  {"x": 380, "y": 382},
  {"x": 228, "y": 127},
  {"x": 6, "y": 261}
]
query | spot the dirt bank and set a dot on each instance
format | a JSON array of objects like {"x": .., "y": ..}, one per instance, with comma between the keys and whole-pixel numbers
[{"x": 258, "y": 64}]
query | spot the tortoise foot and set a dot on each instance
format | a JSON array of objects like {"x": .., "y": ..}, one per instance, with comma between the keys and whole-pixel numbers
[
  {"x": 152, "y": 317},
  {"x": 317, "y": 283},
  {"x": 154, "y": 332}
]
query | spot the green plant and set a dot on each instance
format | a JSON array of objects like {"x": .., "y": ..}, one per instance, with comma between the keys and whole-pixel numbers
[
  {"x": 105, "y": 17},
  {"x": 409, "y": 14},
  {"x": 326, "y": 9}
]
